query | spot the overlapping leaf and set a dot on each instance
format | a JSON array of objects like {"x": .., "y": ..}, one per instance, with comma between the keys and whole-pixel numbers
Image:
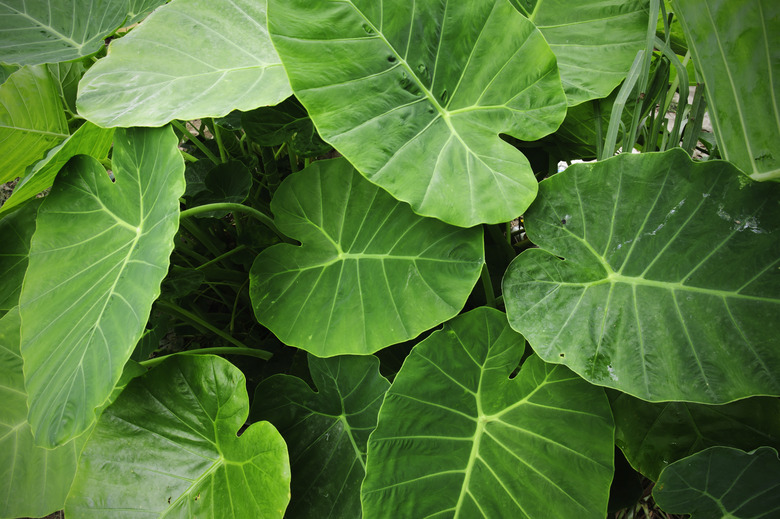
[
  {"x": 736, "y": 46},
  {"x": 87, "y": 140},
  {"x": 286, "y": 122},
  {"x": 669, "y": 285},
  {"x": 15, "y": 233},
  {"x": 456, "y": 437},
  {"x": 722, "y": 482},
  {"x": 595, "y": 41},
  {"x": 170, "y": 443},
  {"x": 139, "y": 9},
  {"x": 31, "y": 120},
  {"x": 326, "y": 431},
  {"x": 370, "y": 272},
  {"x": 188, "y": 59},
  {"x": 49, "y": 31},
  {"x": 653, "y": 435},
  {"x": 415, "y": 94},
  {"x": 97, "y": 258}
]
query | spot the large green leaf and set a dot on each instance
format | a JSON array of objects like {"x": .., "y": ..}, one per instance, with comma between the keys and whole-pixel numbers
[
  {"x": 87, "y": 140},
  {"x": 669, "y": 287},
  {"x": 31, "y": 120},
  {"x": 457, "y": 437},
  {"x": 595, "y": 41},
  {"x": 33, "y": 481},
  {"x": 49, "y": 31},
  {"x": 98, "y": 255},
  {"x": 654, "y": 435},
  {"x": 370, "y": 272},
  {"x": 139, "y": 9},
  {"x": 170, "y": 443},
  {"x": 415, "y": 94},
  {"x": 15, "y": 232},
  {"x": 736, "y": 47},
  {"x": 326, "y": 431},
  {"x": 188, "y": 59},
  {"x": 724, "y": 483}
]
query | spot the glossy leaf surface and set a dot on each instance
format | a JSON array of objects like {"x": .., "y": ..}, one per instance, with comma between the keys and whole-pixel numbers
[
  {"x": 33, "y": 481},
  {"x": 170, "y": 443},
  {"x": 87, "y": 140},
  {"x": 415, "y": 94},
  {"x": 370, "y": 272},
  {"x": 31, "y": 120},
  {"x": 653, "y": 435},
  {"x": 736, "y": 46},
  {"x": 326, "y": 431},
  {"x": 16, "y": 230},
  {"x": 98, "y": 255},
  {"x": 669, "y": 287},
  {"x": 49, "y": 31},
  {"x": 595, "y": 41},
  {"x": 481, "y": 444},
  {"x": 188, "y": 59},
  {"x": 722, "y": 482}
]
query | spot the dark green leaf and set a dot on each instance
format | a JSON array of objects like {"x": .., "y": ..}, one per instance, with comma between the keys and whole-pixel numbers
[
  {"x": 457, "y": 437},
  {"x": 669, "y": 288},
  {"x": 226, "y": 183},
  {"x": 15, "y": 232},
  {"x": 370, "y": 272},
  {"x": 415, "y": 95},
  {"x": 654, "y": 435},
  {"x": 98, "y": 255},
  {"x": 170, "y": 443},
  {"x": 722, "y": 482},
  {"x": 285, "y": 122},
  {"x": 326, "y": 431}
]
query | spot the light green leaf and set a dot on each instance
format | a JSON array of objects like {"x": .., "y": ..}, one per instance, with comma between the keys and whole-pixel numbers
[
  {"x": 87, "y": 140},
  {"x": 481, "y": 444},
  {"x": 15, "y": 232},
  {"x": 98, "y": 255},
  {"x": 669, "y": 287},
  {"x": 67, "y": 76},
  {"x": 138, "y": 9},
  {"x": 722, "y": 483},
  {"x": 33, "y": 481},
  {"x": 326, "y": 431},
  {"x": 415, "y": 95},
  {"x": 370, "y": 272},
  {"x": 736, "y": 47},
  {"x": 50, "y": 31},
  {"x": 31, "y": 120},
  {"x": 595, "y": 41},
  {"x": 188, "y": 59},
  {"x": 170, "y": 443},
  {"x": 653, "y": 435}
]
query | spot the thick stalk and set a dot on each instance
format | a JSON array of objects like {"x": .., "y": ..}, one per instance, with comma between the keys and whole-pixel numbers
[
  {"x": 232, "y": 208},
  {"x": 228, "y": 350},
  {"x": 194, "y": 140}
]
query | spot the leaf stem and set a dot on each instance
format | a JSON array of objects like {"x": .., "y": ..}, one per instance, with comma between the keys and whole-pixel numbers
[
  {"x": 219, "y": 350},
  {"x": 194, "y": 140},
  {"x": 218, "y": 135},
  {"x": 487, "y": 284},
  {"x": 233, "y": 208}
]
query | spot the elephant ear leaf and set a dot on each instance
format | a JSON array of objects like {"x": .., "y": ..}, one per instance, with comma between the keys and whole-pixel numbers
[
  {"x": 170, "y": 443},
  {"x": 482, "y": 444},
  {"x": 654, "y": 296},
  {"x": 722, "y": 482},
  {"x": 98, "y": 255},
  {"x": 326, "y": 431},
  {"x": 415, "y": 95}
]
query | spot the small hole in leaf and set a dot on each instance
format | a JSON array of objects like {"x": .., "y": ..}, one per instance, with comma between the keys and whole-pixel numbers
[
  {"x": 368, "y": 29},
  {"x": 391, "y": 59},
  {"x": 443, "y": 96},
  {"x": 563, "y": 221},
  {"x": 562, "y": 355}
]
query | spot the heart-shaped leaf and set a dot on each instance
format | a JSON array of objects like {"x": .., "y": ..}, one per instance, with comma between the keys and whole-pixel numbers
[
  {"x": 87, "y": 140},
  {"x": 49, "y": 31},
  {"x": 31, "y": 120},
  {"x": 647, "y": 298},
  {"x": 98, "y": 255},
  {"x": 653, "y": 435},
  {"x": 16, "y": 230},
  {"x": 170, "y": 443},
  {"x": 415, "y": 94},
  {"x": 482, "y": 444},
  {"x": 722, "y": 482},
  {"x": 171, "y": 66},
  {"x": 737, "y": 50},
  {"x": 594, "y": 41},
  {"x": 370, "y": 272},
  {"x": 326, "y": 431}
]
